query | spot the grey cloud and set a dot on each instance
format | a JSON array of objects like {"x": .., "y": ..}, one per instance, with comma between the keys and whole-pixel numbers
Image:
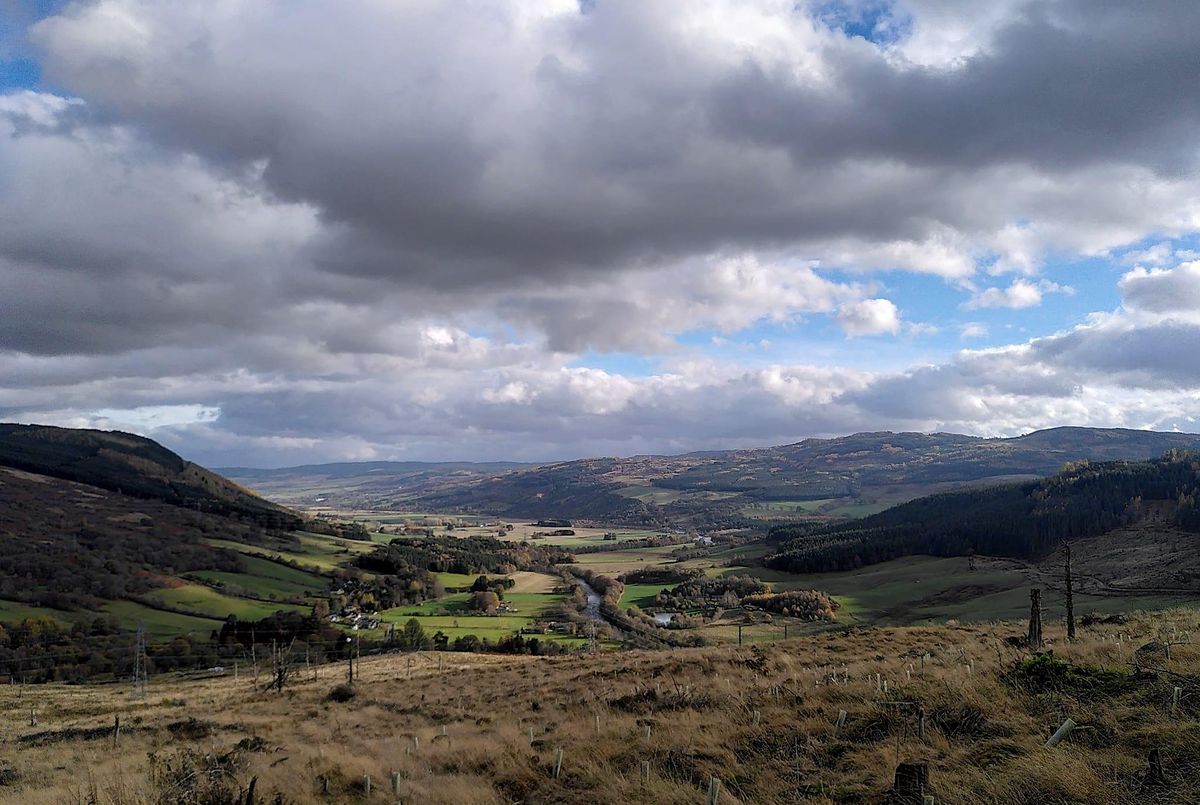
[
  {"x": 1163, "y": 291},
  {"x": 381, "y": 230},
  {"x": 1160, "y": 355},
  {"x": 1062, "y": 84},
  {"x": 470, "y": 146}
]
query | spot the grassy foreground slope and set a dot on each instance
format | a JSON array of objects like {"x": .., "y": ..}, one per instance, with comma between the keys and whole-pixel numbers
[{"x": 761, "y": 719}]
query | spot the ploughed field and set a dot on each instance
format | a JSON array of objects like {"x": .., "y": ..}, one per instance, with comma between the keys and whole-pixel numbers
[{"x": 822, "y": 718}]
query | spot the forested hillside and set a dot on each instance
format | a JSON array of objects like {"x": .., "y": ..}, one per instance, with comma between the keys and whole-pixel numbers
[
  {"x": 134, "y": 466},
  {"x": 1027, "y": 520},
  {"x": 70, "y": 546},
  {"x": 106, "y": 522}
]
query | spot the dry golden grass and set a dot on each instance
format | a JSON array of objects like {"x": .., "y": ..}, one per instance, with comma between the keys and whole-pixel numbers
[{"x": 760, "y": 718}]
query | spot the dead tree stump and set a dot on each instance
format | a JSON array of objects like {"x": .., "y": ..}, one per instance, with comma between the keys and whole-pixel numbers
[
  {"x": 1154, "y": 774},
  {"x": 1035, "y": 619},
  {"x": 1070, "y": 595},
  {"x": 910, "y": 786}
]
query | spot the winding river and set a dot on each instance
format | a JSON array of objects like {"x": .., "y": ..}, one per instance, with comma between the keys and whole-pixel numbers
[{"x": 593, "y": 600}]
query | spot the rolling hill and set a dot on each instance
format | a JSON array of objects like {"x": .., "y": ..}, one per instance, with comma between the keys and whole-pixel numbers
[
  {"x": 357, "y": 485},
  {"x": 136, "y": 467},
  {"x": 816, "y": 479},
  {"x": 108, "y": 524}
]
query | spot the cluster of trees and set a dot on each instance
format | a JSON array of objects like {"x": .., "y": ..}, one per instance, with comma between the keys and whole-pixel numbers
[
  {"x": 1026, "y": 521},
  {"x": 284, "y": 628},
  {"x": 469, "y": 555},
  {"x": 412, "y": 636},
  {"x": 404, "y": 570},
  {"x": 709, "y": 594},
  {"x": 661, "y": 575},
  {"x": 807, "y": 604},
  {"x": 46, "y": 650},
  {"x": 337, "y": 528},
  {"x": 657, "y": 541},
  {"x": 397, "y": 585},
  {"x": 486, "y": 594}
]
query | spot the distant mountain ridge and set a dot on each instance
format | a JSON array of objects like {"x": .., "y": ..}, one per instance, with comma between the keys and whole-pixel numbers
[{"x": 814, "y": 478}]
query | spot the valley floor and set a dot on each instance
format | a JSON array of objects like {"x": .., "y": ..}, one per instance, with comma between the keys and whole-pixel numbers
[{"x": 761, "y": 719}]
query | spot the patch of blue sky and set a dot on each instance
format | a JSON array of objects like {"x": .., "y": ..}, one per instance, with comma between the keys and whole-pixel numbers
[
  {"x": 19, "y": 68},
  {"x": 816, "y": 340},
  {"x": 18, "y": 74},
  {"x": 878, "y": 21}
]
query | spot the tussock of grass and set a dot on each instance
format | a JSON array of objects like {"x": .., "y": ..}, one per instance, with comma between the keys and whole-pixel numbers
[{"x": 1045, "y": 674}]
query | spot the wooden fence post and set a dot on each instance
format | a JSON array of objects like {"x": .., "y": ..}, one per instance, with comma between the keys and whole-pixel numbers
[{"x": 1063, "y": 731}]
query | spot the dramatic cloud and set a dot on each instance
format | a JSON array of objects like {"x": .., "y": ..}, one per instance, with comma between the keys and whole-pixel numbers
[{"x": 273, "y": 231}]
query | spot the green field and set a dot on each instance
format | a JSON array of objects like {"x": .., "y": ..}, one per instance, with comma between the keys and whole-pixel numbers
[
  {"x": 267, "y": 579},
  {"x": 15, "y": 612},
  {"x": 159, "y": 624},
  {"x": 205, "y": 601},
  {"x": 651, "y": 494},
  {"x": 315, "y": 551},
  {"x": 450, "y": 614},
  {"x": 857, "y": 510},
  {"x": 641, "y": 595},
  {"x": 926, "y": 589},
  {"x": 621, "y": 560}
]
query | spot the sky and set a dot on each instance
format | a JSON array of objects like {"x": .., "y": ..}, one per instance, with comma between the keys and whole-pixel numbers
[{"x": 275, "y": 232}]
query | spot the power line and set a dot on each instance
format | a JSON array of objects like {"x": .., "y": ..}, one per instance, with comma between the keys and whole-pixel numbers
[{"x": 141, "y": 672}]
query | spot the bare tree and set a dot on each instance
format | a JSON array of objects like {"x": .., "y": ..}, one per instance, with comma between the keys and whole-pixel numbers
[{"x": 282, "y": 666}]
